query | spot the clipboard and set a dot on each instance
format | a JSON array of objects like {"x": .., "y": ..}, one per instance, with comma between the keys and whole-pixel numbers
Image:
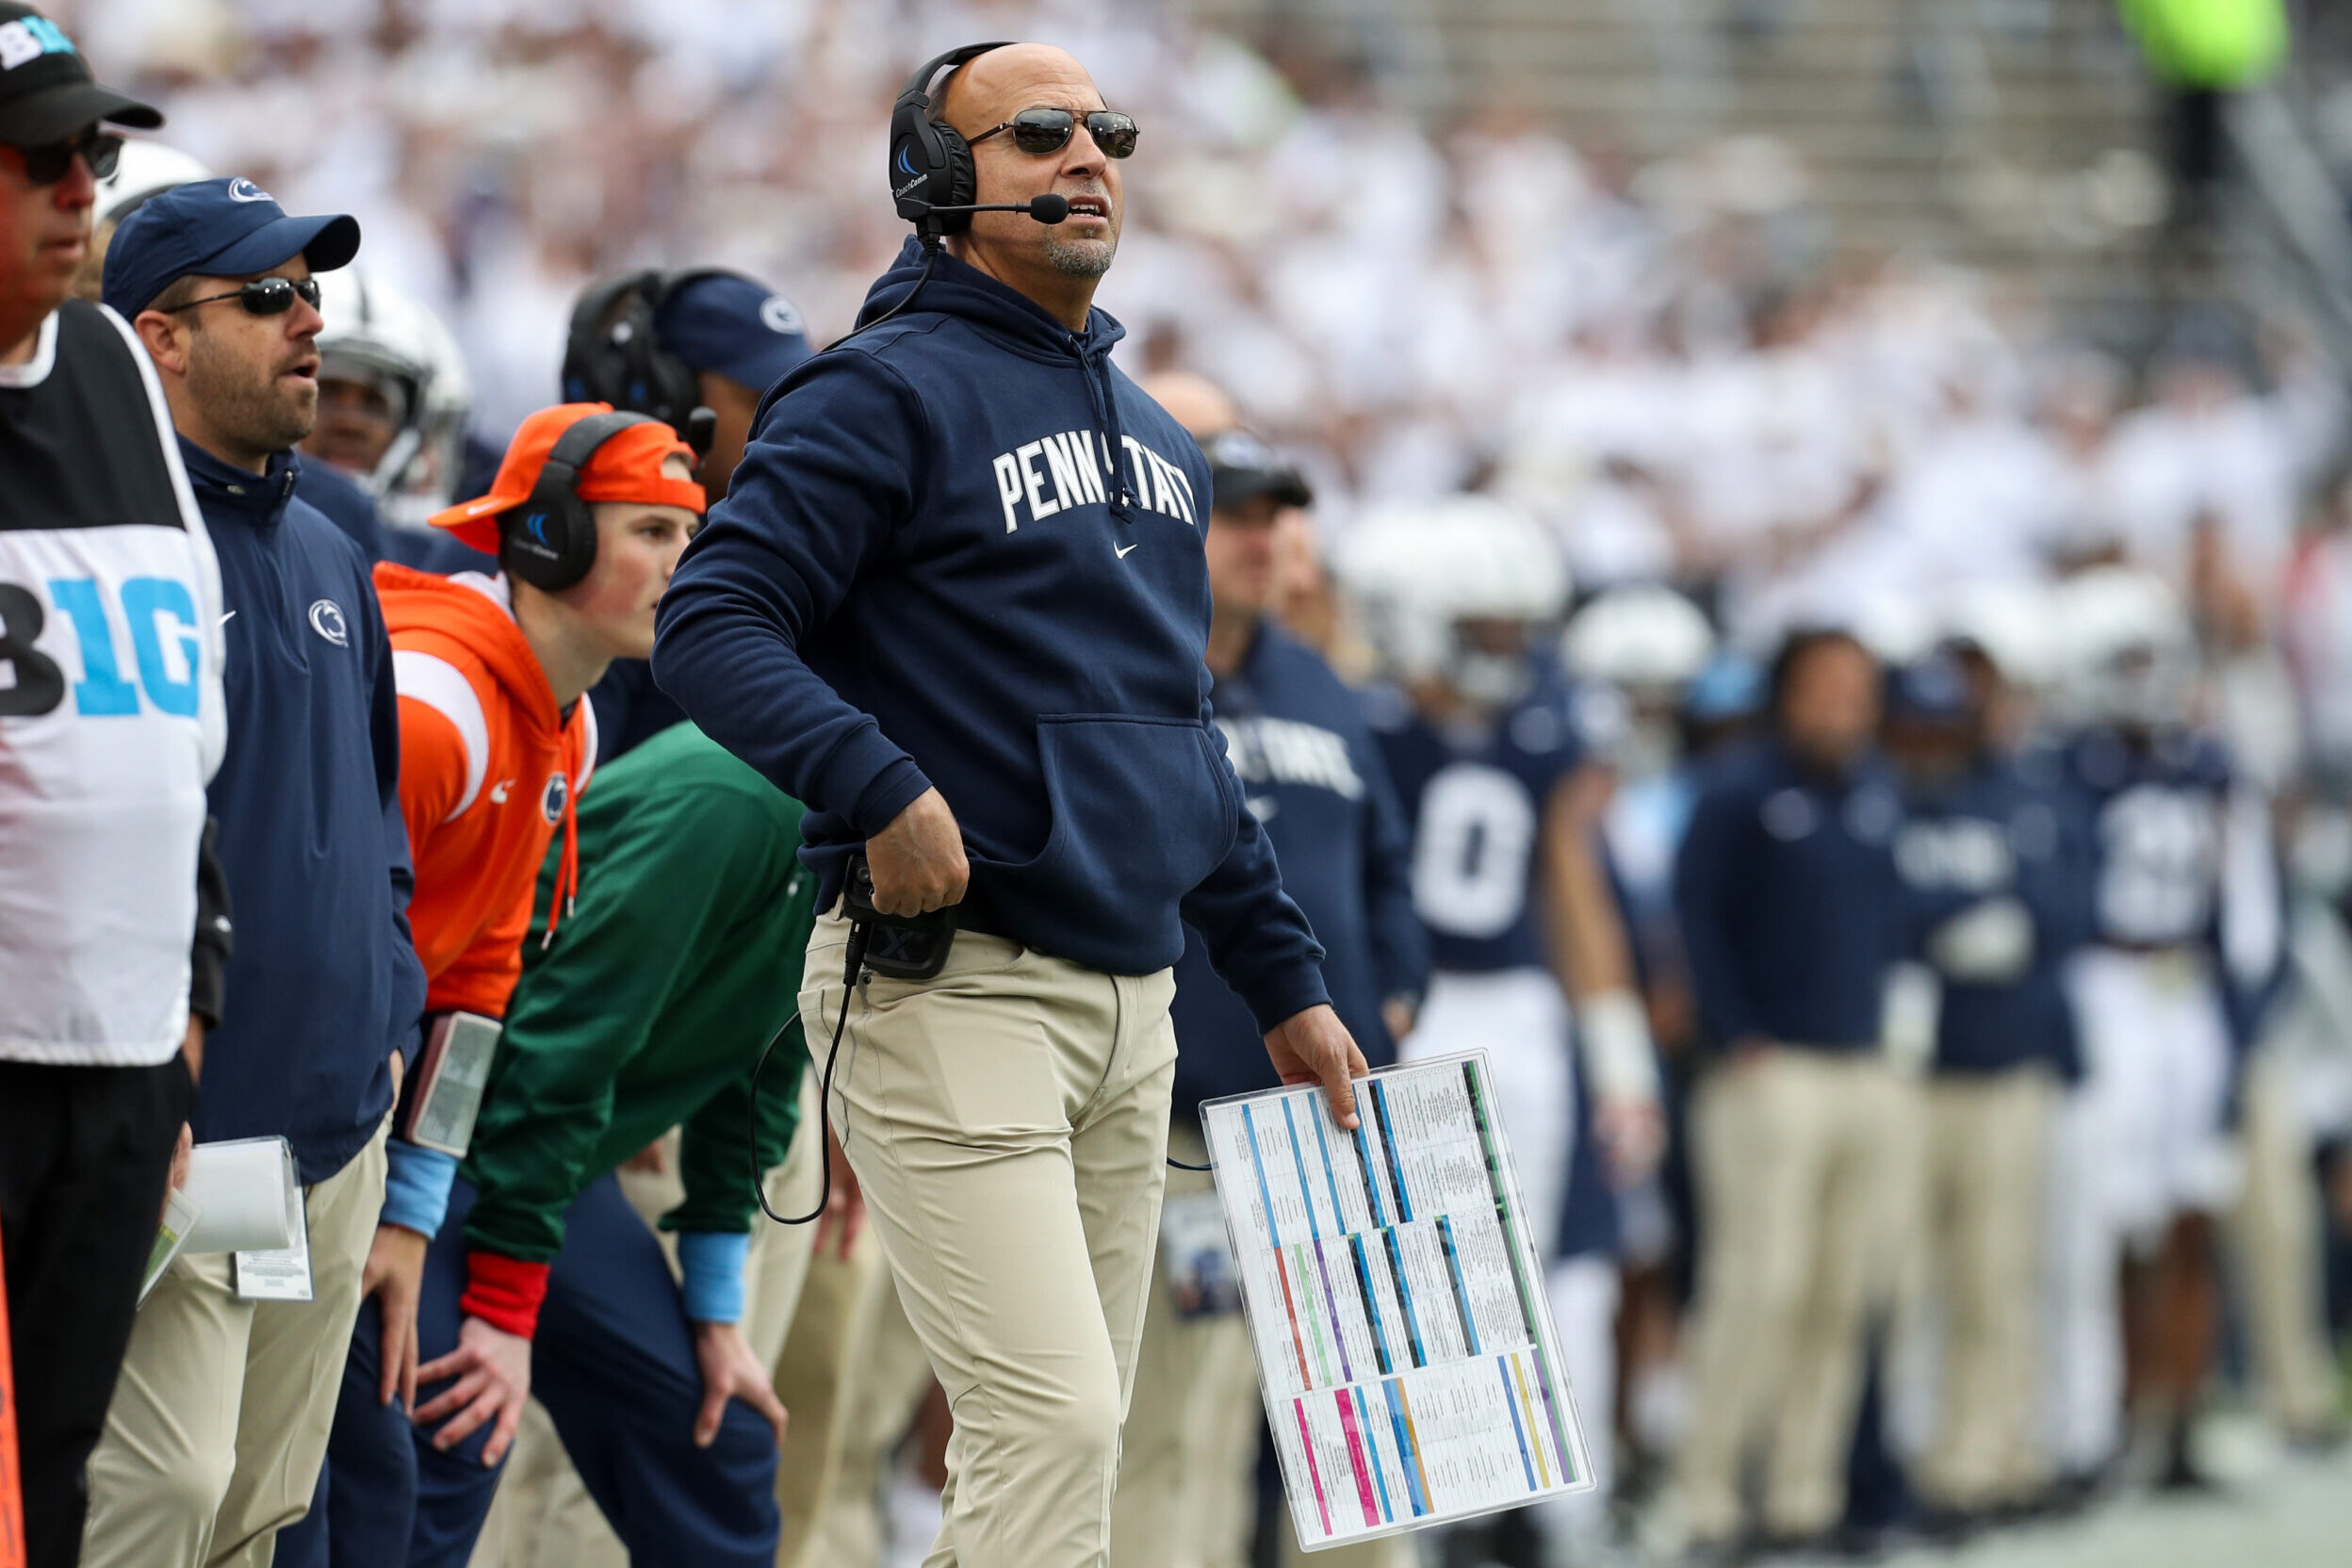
[{"x": 1405, "y": 1346}]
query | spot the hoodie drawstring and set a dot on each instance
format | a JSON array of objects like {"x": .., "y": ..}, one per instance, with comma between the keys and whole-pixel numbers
[
  {"x": 1106, "y": 416},
  {"x": 566, "y": 873}
]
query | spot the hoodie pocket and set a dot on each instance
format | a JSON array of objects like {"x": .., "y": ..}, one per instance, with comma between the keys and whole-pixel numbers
[{"x": 1143, "y": 810}]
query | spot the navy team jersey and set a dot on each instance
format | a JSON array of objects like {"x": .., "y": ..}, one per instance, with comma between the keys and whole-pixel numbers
[
  {"x": 1476, "y": 803},
  {"x": 2006, "y": 829},
  {"x": 2156, "y": 818}
]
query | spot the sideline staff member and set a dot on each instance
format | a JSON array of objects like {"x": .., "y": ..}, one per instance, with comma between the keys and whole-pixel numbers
[
  {"x": 112, "y": 721},
  {"x": 964, "y": 554}
]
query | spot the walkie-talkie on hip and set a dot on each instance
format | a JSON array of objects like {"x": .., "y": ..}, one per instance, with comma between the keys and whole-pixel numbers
[{"x": 904, "y": 947}]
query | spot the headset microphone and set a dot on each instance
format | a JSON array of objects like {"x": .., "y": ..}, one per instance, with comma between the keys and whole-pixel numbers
[{"x": 1047, "y": 209}]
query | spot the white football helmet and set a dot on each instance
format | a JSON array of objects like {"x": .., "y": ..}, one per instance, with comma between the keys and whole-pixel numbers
[
  {"x": 377, "y": 334},
  {"x": 1419, "y": 573},
  {"x": 2015, "y": 623},
  {"x": 145, "y": 168},
  {"x": 2128, "y": 651},
  {"x": 1644, "y": 637}
]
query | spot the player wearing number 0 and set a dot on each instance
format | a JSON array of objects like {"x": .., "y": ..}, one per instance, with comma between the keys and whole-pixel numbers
[
  {"x": 2187, "y": 927},
  {"x": 111, "y": 723},
  {"x": 1528, "y": 947}
]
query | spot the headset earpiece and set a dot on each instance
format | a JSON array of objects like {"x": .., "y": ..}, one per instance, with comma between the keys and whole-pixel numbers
[
  {"x": 550, "y": 540},
  {"x": 614, "y": 355},
  {"x": 930, "y": 160}
]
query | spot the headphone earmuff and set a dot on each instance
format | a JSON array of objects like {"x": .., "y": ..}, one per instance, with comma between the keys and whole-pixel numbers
[
  {"x": 550, "y": 540},
  {"x": 930, "y": 160}
]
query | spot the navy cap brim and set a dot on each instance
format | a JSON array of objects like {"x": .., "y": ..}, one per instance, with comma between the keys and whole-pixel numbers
[
  {"x": 326, "y": 243},
  {"x": 764, "y": 359},
  {"x": 40, "y": 117},
  {"x": 1236, "y": 486}
]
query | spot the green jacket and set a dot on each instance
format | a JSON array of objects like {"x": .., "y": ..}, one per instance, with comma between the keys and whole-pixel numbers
[{"x": 679, "y": 961}]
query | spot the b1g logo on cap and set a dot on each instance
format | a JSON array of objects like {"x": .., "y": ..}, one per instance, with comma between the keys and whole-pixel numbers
[
  {"x": 551, "y": 799},
  {"x": 28, "y": 39},
  {"x": 246, "y": 190}
]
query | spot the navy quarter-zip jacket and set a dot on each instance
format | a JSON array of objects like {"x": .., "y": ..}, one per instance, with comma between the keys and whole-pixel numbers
[
  {"x": 965, "y": 551},
  {"x": 1304, "y": 751},
  {"x": 1790, "y": 912},
  {"x": 324, "y": 983}
]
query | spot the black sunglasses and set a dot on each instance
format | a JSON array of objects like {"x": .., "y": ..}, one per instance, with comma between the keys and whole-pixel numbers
[
  {"x": 1040, "y": 131},
  {"x": 47, "y": 164},
  {"x": 265, "y": 296}
]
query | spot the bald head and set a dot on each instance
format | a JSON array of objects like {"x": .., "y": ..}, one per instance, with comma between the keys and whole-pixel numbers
[
  {"x": 1194, "y": 401},
  {"x": 1059, "y": 266}
]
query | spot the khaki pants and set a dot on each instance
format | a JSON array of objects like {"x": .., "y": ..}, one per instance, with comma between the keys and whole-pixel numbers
[
  {"x": 883, "y": 1389},
  {"x": 543, "y": 1516},
  {"x": 220, "y": 1419},
  {"x": 1803, "y": 1168},
  {"x": 2278, "y": 1226},
  {"x": 1986, "y": 1197},
  {"x": 1007, "y": 1121}
]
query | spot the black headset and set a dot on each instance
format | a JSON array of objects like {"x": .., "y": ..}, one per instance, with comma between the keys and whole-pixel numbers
[
  {"x": 614, "y": 355},
  {"x": 930, "y": 160},
  {"x": 550, "y": 540}
]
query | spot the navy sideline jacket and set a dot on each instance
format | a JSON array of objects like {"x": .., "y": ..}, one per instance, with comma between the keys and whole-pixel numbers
[
  {"x": 324, "y": 983},
  {"x": 1302, "y": 748},
  {"x": 2008, "y": 828},
  {"x": 964, "y": 550},
  {"x": 1791, "y": 916}
]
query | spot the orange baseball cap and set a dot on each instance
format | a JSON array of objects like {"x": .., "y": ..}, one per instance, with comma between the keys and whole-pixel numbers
[{"x": 628, "y": 467}]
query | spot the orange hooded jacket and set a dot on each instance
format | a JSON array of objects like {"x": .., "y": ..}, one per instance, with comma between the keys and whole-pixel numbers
[{"x": 489, "y": 769}]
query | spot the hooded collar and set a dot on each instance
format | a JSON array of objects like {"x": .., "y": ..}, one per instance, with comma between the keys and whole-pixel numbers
[
  {"x": 960, "y": 289},
  {"x": 225, "y": 490}
]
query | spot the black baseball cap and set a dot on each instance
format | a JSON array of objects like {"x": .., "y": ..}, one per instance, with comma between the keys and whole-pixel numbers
[
  {"x": 46, "y": 90},
  {"x": 1242, "y": 468}
]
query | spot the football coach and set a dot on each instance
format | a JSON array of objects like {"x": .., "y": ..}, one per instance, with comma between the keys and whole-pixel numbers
[{"x": 957, "y": 602}]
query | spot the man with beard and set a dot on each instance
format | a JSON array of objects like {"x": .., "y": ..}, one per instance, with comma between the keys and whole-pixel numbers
[
  {"x": 963, "y": 556},
  {"x": 220, "y": 1421}
]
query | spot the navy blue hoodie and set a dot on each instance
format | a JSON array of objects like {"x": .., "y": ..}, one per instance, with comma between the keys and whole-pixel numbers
[
  {"x": 1785, "y": 886},
  {"x": 964, "y": 550},
  {"x": 2006, "y": 828},
  {"x": 324, "y": 982},
  {"x": 1299, "y": 743}
]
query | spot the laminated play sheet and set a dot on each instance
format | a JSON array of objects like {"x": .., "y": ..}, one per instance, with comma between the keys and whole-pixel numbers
[{"x": 1404, "y": 1342}]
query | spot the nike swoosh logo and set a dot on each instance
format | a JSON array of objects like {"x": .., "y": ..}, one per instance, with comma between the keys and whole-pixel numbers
[
  {"x": 1120, "y": 552},
  {"x": 498, "y": 792}
]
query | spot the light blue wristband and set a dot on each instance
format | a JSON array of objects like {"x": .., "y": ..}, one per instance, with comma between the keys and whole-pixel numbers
[
  {"x": 712, "y": 1262},
  {"x": 416, "y": 1187}
]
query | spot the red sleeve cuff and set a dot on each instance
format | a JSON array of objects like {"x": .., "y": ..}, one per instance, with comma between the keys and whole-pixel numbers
[{"x": 504, "y": 1292}]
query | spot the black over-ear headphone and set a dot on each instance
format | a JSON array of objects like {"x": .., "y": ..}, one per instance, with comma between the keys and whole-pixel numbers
[
  {"x": 614, "y": 355},
  {"x": 550, "y": 540},
  {"x": 930, "y": 160}
]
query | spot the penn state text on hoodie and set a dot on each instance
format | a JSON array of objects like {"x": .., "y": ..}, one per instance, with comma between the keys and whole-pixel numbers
[
  {"x": 326, "y": 983},
  {"x": 1791, "y": 911},
  {"x": 1302, "y": 748},
  {"x": 963, "y": 550}
]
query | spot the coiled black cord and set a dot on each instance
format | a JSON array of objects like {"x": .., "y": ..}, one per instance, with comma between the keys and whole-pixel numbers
[{"x": 856, "y": 960}]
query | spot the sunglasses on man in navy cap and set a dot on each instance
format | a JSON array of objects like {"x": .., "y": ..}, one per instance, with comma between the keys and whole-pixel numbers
[{"x": 221, "y": 229}]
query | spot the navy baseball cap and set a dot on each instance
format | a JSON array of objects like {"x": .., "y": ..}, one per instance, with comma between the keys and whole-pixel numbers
[
  {"x": 218, "y": 228},
  {"x": 725, "y": 323},
  {"x": 46, "y": 90},
  {"x": 1932, "y": 691},
  {"x": 1242, "y": 468}
]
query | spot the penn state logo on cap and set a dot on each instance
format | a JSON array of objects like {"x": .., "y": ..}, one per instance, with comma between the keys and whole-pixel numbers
[
  {"x": 246, "y": 190},
  {"x": 326, "y": 620},
  {"x": 551, "y": 799},
  {"x": 778, "y": 315}
]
